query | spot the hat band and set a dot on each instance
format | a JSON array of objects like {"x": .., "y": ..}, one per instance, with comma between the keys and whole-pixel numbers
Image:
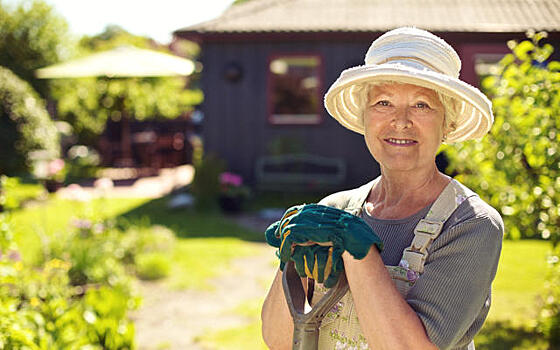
[{"x": 410, "y": 58}]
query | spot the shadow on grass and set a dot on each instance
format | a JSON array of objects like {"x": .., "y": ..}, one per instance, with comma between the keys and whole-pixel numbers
[
  {"x": 189, "y": 223},
  {"x": 502, "y": 335}
]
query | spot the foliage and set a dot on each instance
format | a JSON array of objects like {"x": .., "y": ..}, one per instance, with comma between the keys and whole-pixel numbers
[
  {"x": 231, "y": 185},
  {"x": 153, "y": 266},
  {"x": 517, "y": 166},
  {"x": 87, "y": 103},
  {"x": 549, "y": 322},
  {"x": 17, "y": 193},
  {"x": 41, "y": 309},
  {"x": 32, "y": 36},
  {"x": 25, "y": 125},
  {"x": 206, "y": 185},
  {"x": 82, "y": 163}
]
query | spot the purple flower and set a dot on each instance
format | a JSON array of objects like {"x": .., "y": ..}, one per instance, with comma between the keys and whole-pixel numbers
[
  {"x": 14, "y": 255},
  {"x": 412, "y": 276},
  {"x": 82, "y": 224}
]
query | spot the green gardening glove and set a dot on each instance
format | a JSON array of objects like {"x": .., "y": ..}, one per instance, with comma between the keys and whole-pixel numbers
[
  {"x": 323, "y": 224},
  {"x": 321, "y": 263},
  {"x": 313, "y": 223}
]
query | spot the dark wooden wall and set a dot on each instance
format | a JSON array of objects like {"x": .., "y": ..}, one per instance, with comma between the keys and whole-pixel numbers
[{"x": 236, "y": 126}]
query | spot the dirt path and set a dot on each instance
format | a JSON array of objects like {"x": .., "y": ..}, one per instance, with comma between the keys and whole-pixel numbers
[{"x": 172, "y": 319}]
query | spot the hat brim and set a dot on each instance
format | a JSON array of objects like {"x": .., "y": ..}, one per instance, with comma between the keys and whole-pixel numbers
[{"x": 342, "y": 101}]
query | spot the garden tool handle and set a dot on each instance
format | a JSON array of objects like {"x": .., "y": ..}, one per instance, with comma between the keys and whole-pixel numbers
[{"x": 306, "y": 325}]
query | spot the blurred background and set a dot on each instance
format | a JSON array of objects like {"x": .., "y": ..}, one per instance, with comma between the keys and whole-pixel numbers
[{"x": 145, "y": 146}]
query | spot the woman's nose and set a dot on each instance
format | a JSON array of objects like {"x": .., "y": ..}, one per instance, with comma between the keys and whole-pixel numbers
[{"x": 401, "y": 119}]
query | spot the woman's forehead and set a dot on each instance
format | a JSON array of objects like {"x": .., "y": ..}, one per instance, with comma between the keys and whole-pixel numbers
[{"x": 396, "y": 89}]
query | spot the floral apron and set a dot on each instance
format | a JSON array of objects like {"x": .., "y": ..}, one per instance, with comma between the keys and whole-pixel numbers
[{"x": 340, "y": 329}]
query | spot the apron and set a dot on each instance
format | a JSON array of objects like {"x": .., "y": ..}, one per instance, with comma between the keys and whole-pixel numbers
[{"x": 340, "y": 329}]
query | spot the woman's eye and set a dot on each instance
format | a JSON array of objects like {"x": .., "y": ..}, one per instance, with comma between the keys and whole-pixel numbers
[
  {"x": 383, "y": 103},
  {"x": 421, "y": 105}
]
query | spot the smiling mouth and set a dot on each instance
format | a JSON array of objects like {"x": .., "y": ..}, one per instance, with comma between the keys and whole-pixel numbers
[{"x": 401, "y": 142}]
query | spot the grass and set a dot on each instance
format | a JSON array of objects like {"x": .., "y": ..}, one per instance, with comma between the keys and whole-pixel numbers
[
  {"x": 247, "y": 336},
  {"x": 196, "y": 260},
  {"x": 208, "y": 241},
  {"x": 509, "y": 326},
  {"x": 33, "y": 224},
  {"x": 516, "y": 289},
  {"x": 190, "y": 223}
]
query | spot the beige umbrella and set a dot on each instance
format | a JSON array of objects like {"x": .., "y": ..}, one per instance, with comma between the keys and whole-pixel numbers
[{"x": 123, "y": 61}]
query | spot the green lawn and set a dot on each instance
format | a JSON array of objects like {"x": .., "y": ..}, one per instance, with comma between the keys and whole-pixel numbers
[
  {"x": 43, "y": 220},
  {"x": 516, "y": 289},
  {"x": 204, "y": 236},
  {"x": 509, "y": 325}
]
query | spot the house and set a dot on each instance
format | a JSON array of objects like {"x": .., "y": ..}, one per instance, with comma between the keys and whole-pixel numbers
[{"x": 268, "y": 63}]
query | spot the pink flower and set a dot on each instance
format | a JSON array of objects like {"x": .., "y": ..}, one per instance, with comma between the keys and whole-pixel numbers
[
  {"x": 230, "y": 179},
  {"x": 55, "y": 166}
]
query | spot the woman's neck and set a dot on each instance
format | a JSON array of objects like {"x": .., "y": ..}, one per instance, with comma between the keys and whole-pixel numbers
[{"x": 398, "y": 195}]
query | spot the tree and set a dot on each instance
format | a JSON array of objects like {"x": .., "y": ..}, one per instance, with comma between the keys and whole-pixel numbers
[
  {"x": 25, "y": 125},
  {"x": 87, "y": 103},
  {"x": 517, "y": 166},
  {"x": 32, "y": 36}
]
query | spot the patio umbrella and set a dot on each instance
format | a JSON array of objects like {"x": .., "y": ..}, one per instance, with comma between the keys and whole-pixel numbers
[{"x": 121, "y": 62}]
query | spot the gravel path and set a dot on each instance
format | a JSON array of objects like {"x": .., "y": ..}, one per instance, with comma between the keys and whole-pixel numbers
[{"x": 172, "y": 319}]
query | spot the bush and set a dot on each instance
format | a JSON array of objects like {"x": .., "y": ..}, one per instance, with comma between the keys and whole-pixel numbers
[
  {"x": 549, "y": 320},
  {"x": 515, "y": 167},
  {"x": 17, "y": 193},
  {"x": 40, "y": 309},
  {"x": 25, "y": 125},
  {"x": 206, "y": 185},
  {"x": 153, "y": 266}
]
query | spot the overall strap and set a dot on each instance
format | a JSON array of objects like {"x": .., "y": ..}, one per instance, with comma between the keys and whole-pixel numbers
[
  {"x": 356, "y": 203},
  {"x": 429, "y": 228}
]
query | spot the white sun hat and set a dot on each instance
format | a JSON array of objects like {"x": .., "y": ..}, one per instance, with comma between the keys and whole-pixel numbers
[{"x": 412, "y": 56}]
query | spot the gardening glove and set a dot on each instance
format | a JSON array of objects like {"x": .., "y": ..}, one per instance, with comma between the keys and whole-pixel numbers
[
  {"x": 310, "y": 223},
  {"x": 321, "y": 263}
]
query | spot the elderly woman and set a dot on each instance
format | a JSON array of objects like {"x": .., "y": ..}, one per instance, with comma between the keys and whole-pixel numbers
[{"x": 430, "y": 286}]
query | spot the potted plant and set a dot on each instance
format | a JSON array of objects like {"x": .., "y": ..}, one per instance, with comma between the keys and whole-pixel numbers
[{"x": 232, "y": 192}]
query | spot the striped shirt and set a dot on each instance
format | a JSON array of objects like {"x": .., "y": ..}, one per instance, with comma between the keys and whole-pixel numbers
[{"x": 452, "y": 296}]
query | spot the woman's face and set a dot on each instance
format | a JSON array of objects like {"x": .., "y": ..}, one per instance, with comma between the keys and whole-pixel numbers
[{"x": 403, "y": 126}]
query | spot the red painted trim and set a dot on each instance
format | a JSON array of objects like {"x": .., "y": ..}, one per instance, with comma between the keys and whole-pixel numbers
[
  {"x": 320, "y": 86},
  {"x": 468, "y": 53}
]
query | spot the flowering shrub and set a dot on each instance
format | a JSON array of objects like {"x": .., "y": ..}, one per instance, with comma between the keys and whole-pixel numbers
[
  {"x": 231, "y": 185},
  {"x": 80, "y": 297},
  {"x": 41, "y": 309}
]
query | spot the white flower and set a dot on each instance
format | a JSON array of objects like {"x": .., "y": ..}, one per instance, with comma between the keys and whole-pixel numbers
[{"x": 339, "y": 345}]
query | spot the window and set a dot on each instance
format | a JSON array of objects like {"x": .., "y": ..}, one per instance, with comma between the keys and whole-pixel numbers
[{"x": 294, "y": 89}]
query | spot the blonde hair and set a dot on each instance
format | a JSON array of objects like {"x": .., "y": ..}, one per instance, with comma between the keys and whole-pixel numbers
[{"x": 450, "y": 105}]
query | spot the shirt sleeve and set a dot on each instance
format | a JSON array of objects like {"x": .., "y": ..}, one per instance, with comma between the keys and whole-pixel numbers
[{"x": 453, "y": 293}]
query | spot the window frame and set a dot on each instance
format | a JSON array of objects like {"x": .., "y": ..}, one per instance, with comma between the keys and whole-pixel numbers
[{"x": 291, "y": 119}]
